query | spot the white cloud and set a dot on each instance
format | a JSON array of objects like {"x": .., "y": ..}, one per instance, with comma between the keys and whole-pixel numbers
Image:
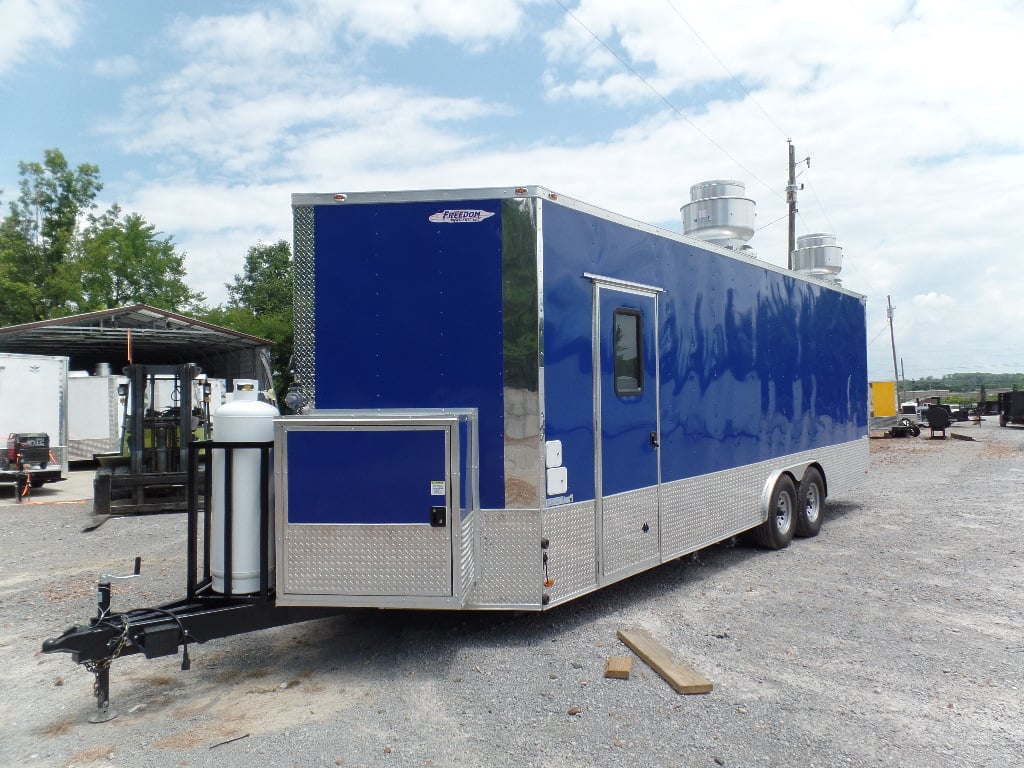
[
  {"x": 907, "y": 111},
  {"x": 399, "y": 22},
  {"x": 933, "y": 301},
  {"x": 117, "y": 67},
  {"x": 27, "y": 24}
]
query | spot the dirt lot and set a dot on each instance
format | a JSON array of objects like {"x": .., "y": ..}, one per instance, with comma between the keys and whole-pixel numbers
[{"x": 895, "y": 638}]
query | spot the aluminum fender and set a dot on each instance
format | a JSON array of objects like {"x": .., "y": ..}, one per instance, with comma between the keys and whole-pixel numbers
[{"x": 796, "y": 471}]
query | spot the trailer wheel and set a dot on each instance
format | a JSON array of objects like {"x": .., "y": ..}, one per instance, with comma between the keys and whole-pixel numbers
[
  {"x": 777, "y": 531},
  {"x": 810, "y": 504}
]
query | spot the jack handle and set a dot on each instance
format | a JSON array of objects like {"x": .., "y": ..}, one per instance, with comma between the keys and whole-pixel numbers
[{"x": 105, "y": 582}]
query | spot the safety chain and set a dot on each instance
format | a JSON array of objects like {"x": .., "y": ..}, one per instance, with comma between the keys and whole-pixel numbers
[{"x": 97, "y": 666}]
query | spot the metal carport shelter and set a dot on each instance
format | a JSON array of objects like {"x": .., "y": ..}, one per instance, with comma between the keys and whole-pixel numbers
[{"x": 153, "y": 336}]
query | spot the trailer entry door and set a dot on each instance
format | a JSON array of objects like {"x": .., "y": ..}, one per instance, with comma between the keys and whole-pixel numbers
[{"x": 626, "y": 428}]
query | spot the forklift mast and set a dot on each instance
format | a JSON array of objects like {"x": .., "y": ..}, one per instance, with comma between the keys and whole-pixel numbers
[
  {"x": 150, "y": 473},
  {"x": 158, "y": 438}
]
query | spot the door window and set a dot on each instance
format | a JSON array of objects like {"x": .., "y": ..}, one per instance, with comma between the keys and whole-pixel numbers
[{"x": 627, "y": 341}]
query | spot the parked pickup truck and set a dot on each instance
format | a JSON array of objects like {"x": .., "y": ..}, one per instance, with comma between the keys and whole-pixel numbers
[{"x": 30, "y": 452}]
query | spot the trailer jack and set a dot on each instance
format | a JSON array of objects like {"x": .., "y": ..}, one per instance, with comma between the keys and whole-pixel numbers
[{"x": 101, "y": 667}]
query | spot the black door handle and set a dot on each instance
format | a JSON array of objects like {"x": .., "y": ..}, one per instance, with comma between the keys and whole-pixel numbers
[{"x": 655, "y": 443}]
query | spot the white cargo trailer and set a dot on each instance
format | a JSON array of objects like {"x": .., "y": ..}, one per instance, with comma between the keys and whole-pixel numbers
[
  {"x": 94, "y": 416},
  {"x": 33, "y": 401}
]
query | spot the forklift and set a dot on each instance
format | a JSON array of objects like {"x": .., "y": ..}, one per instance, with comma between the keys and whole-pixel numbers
[{"x": 149, "y": 474}]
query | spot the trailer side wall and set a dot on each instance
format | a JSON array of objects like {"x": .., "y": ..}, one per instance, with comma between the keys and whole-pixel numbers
[{"x": 753, "y": 364}]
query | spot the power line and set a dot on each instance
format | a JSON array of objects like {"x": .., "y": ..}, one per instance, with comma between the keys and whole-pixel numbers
[
  {"x": 882, "y": 330},
  {"x": 776, "y": 221},
  {"x": 662, "y": 97},
  {"x": 721, "y": 63},
  {"x": 821, "y": 207}
]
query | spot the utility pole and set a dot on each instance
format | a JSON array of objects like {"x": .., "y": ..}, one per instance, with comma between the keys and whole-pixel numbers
[
  {"x": 791, "y": 190},
  {"x": 791, "y": 199},
  {"x": 892, "y": 338}
]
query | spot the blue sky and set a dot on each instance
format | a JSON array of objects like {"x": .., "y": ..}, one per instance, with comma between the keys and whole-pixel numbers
[{"x": 205, "y": 116}]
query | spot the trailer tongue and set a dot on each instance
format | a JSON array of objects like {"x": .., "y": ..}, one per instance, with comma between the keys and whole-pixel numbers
[{"x": 204, "y": 614}]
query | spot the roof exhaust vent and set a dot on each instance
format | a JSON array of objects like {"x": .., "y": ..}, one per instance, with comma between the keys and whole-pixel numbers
[
  {"x": 818, "y": 255},
  {"x": 720, "y": 213}
]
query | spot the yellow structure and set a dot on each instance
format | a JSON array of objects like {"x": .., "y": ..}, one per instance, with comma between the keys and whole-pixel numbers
[{"x": 883, "y": 398}]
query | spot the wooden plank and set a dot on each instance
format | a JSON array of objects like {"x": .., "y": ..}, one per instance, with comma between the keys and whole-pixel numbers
[
  {"x": 680, "y": 676},
  {"x": 618, "y": 667}
]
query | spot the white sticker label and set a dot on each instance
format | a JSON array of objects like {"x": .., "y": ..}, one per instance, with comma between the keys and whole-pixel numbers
[
  {"x": 437, "y": 488},
  {"x": 460, "y": 216}
]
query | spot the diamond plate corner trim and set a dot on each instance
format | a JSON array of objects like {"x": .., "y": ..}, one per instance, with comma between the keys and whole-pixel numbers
[
  {"x": 510, "y": 558},
  {"x": 304, "y": 273},
  {"x": 572, "y": 549},
  {"x": 467, "y": 561}
]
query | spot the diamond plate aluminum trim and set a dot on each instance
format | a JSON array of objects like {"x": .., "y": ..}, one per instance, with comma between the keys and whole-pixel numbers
[
  {"x": 366, "y": 560},
  {"x": 701, "y": 511},
  {"x": 304, "y": 275},
  {"x": 86, "y": 448},
  {"x": 572, "y": 550},
  {"x": 624, "y": 516},
  {"x": 504, "y": 568},
  {"x": 845, "y": 466},
  {"x": 511, "y": 568},
  {"x": 467, "y": 561}
]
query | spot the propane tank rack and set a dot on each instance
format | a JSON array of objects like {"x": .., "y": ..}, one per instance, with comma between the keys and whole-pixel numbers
[{"x": 204, "y": 614}]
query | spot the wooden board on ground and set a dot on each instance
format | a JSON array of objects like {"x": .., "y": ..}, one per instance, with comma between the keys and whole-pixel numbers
[
  {"x": 680, "y": 676},
  {"x": 618, "y": 667}
]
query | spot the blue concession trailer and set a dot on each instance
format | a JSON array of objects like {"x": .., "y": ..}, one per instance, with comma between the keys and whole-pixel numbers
[
  {"x": 511, "y": 399},
  {"x": 514, "y": 398}
]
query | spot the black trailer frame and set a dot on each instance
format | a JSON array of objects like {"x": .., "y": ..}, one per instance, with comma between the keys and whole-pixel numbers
[{"x": 203, "y": 614}]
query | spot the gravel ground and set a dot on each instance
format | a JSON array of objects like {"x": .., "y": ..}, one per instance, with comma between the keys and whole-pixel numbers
[{"x": 895, "y": 638}]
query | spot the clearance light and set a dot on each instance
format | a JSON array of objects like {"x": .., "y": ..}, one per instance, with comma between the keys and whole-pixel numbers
[
  {"x": 520, "y": 190},
  {"x": 552, "y": 195},
  {"x": 340, "y": 197}
]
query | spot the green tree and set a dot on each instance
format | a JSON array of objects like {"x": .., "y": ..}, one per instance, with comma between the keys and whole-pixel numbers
[
  {"x": 18, "y": 299},
  {"x": 124, "y": 260},
  {"x": 260, "y": 303},
  {"x": 50, "y": 267},
  {"x": 39, "y": 236}
]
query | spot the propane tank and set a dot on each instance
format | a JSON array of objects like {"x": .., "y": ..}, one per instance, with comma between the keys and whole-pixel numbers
[{"x": 244, "y": 420}]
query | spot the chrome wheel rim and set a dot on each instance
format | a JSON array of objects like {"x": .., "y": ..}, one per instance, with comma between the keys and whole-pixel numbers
[
  {"x": 813, "y": 508},
  {"x": 783, "y": 512}
]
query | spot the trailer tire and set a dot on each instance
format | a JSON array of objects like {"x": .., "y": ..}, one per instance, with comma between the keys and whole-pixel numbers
[
  {"x": 777, "y": 530},
  {"x": 810, "y": 504}
]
